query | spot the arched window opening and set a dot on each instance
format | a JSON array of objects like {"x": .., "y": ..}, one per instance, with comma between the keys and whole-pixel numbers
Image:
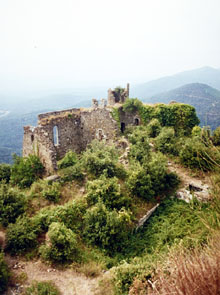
[
  {"x": 32, "y": 137},
  {"x": 136, "y": 121},
  {"x": 55, "y": 135},
  {"x": 122, "y": 127}
]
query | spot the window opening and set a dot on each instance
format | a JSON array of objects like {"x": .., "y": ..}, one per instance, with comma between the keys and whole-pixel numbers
[{"x": 55, "y": 135}]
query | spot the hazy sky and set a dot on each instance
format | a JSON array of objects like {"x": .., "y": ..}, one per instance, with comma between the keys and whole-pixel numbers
[{"x": 52, "y": 44}]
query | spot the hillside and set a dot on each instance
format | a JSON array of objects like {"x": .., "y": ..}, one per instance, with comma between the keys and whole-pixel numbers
[
  {"x": 206, "y": 75},
  {"x": 117, "y": 219},
  {"x": 204, "y": 98}
]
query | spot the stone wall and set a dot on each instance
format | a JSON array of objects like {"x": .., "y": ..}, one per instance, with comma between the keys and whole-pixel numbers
[
  {"x": 76, "y": 128},
  {"x": 73, "y": 129}
]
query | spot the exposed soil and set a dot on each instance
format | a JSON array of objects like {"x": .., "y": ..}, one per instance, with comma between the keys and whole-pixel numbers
[{"x": 68, "y": 281}]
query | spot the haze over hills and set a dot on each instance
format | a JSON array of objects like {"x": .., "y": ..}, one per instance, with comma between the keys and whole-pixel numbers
[
  {"x": 206, "y": 75},
  {"x": 16, "y": 112},
  {"x": 204, "y": 98}
]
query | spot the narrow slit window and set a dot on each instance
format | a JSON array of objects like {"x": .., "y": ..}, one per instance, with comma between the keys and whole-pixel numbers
[
  {"x": 122, "y": 127},
  {"x": 55, "y": 135},
  {"x": 136, "y": 121}
]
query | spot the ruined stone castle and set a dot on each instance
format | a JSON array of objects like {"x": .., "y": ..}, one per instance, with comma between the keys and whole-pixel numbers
[{"x": 73, "y": 129}]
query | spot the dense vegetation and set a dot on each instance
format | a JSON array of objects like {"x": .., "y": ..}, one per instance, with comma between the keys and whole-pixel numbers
[{"x": 90, "y": 215}]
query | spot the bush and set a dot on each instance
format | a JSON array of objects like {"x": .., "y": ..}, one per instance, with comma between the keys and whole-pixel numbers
[
  {"x": 4, "y": 274},
  {"x": 68, "y": 160},
  {"x": 108, "y": 191},
  {"x": 73, "y": 173},
  {"x": 106, "y": 229},
  {"x": 195, "y": 154},
  {"x": 12, "y": 204},
  {"x": 216, "y": 136},
  {"x": 154, "y": 128},
  {"x": 5, "y": 172},
  {"x": 21, "y": 236},
  {"x": 42, "y": 288},
  {"x": 150, "y": 179},
  {"x": 165, "y": 142},
  {"x": 71, "y": 214},
  {"x": 132, "y": 105},
  {"x": 100, "y": 158},
  {"x": 140, "y": 148},
  {"x": 52, "y": 192},
  {"x": 62, "y": 244},
  {"x": 26, "y": 170}
]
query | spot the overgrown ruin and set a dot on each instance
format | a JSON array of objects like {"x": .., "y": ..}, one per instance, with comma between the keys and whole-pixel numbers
[{"x": 73, "y": 129}]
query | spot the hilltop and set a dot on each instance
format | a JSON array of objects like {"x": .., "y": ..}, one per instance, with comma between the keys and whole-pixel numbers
[
  {"x": 204, "y": 98},
  {"x": 206, "y": 75}
]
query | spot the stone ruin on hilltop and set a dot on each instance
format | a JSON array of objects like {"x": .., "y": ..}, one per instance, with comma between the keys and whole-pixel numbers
[{"x": 58, "y": 132}]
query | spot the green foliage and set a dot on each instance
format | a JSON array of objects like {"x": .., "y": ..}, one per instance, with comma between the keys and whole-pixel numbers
[
  {"x": 181, "y": 117},
  {"x": 26, "y": 170},
  {"x": 116, "y": 116},
  {"x": 73, "y": 173},
  {"x": 108, "y": 191},
  {"x": 5, "y": 172},
  {"x": 173, "y": 223},
  {"x": 153, "y": 128},
  {"x": 62, "y": 245},
  {"x": 100, "y": 158},
  {"x": 4, "y": 274},
  {"x": 132, "y": 105},
  {"x": 166, "y": 141},
  {"x": 150, "y": 179},
  {"x": 195, "y": 154},
  {"x": 52, "y": 192},
  {"x": 106, "y": 229},
  {"x": 197, "y": 131},
  {"x": 140, "y": 148},
  {"x": 70, "y": 214},
  {"x": 21, "y": 236},
  {"x": 216, "y": 136},
  {"x": 42, "y": 288},
  {"x": 12, "y": 204},
  {"x": 68, "y": 160}
]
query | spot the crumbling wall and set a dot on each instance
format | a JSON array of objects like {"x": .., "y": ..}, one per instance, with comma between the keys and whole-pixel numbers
[
  {"x": 73, "y": 129},
  {"x": 115, "y": 97}
]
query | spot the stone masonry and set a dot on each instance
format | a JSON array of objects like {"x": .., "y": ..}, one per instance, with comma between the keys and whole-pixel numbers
[{"x": 73, "y": 129}]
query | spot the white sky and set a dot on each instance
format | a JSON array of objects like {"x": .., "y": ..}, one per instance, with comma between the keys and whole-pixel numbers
[{"x": 52, "y": 44}]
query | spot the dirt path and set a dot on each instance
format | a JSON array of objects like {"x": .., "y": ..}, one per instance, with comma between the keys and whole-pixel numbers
[
  {"x": 186, "y": 175},
  {"x": 68, "y": 281}
]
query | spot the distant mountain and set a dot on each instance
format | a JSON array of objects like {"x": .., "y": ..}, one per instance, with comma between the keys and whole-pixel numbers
[
  {"x": 204, "y": 98},
  {"x": 206, "y": 75}
]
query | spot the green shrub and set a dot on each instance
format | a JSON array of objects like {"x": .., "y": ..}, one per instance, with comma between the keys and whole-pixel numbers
[
  {"x": 166, "y": 141},
  {"x": 5, "y": 172},
  {"x": 108, "y": 191},
  {"x": 132, "y": 105},
  {"x": 195, "y": 154},
  {"x": 21, "y": 236},
  {"x": 4, "y": 274},
  {"x": 197, "y": 131},
  {"x": 106, "y": 229},
  {"x": 68, "y": 160},
  {"x": 150, "y": 179},
  {"x": 216, "y": 136},
  {"x": 100, "y": 158},
  {"x": 153, "y": 128},
  {"x": 140, "y": 148},
  {"x": 12, "y": 204},
  {"x": 73, "y": 173},
  {"x": 71, "y": 214},
  {"x": 25, "y": 171},
  {"x": 62, "y": 244},
  {"x": 42, "y": 288},
  {"x": 52, "y": 192}
]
